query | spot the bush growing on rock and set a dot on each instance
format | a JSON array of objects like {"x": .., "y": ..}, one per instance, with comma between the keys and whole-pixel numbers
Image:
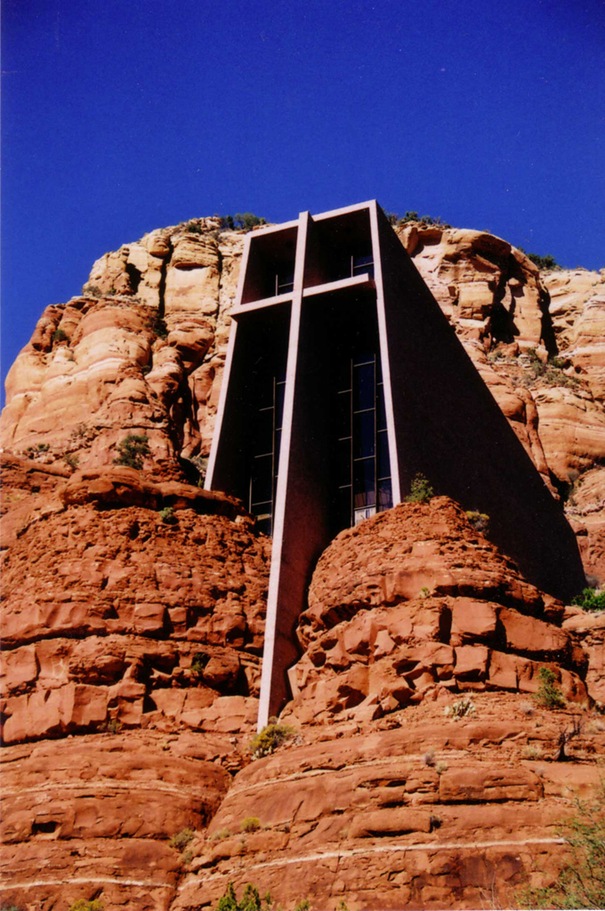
[
  {"x": 589, "y": 599},
  {"x": 167, "y": 516},
  {"x": 268, "y": 740},
  {"x": 460, "y": 708},
  {"x": 132, "y": 450},
  {"x": 479, "y": 520},
  {"x": 250, "y": 900},
  {"x": 83, "y": 905},
  {"x": 60, "y": 335},
  {"x": 581, "y": 883},
  {"x": 549, "y": 695},
  {"x": 182, "y": 839},
  {"x": 420, "y": 490}
]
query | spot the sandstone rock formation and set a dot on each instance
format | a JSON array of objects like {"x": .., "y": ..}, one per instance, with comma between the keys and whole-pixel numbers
[{"x": 422, "y": 771}]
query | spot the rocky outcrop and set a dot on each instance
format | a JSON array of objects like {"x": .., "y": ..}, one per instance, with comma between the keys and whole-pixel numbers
[
  {"x": 133, "y": 618},
  {"x": 415, "y": 602},
  {"x": 422, "y": 768},
  {"x": 420, "y": 812},
  {"x": 141, "y": 350},
  {"x": 117, "y": 614}
]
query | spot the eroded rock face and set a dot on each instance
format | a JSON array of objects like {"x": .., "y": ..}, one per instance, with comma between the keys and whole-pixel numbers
[
  {"x": 422, "y": 771},
  {"x": 132, "y": 622},
  {"x": 113, "y": 609},
  {"x": 422, "y": 811},
  {"x": 414, "y": 603},
  {"x": 141, "y": 351}
]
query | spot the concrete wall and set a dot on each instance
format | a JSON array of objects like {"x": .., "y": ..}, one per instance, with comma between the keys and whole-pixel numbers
[{"x": 449, "y": 427}]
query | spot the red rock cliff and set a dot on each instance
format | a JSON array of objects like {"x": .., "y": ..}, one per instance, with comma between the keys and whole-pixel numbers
[{"x": 422, "y": 771}]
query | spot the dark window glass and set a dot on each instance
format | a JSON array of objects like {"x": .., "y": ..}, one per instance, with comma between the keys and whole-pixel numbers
[
  {"x": 381, "y": 415},
  {"x": 264, "y": 525},
  {"x": 284, "y": 282},
  {"x": 364, "y": 482},
  {"x": 361, "y": 264},
  {"x": 262, "y": 479},
  {"x": 263, "y": 432},
  {"x": 280, "y": 391},
  {"x": 343, "y": 414},
  {"x": 343, "y": 507},
  {"x": 363, "y": 434},
  {"x": 385, "y": 494},
  {"x": 363, "y": 387}
]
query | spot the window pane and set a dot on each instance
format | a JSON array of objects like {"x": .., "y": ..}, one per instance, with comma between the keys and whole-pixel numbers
[
  {"x": 363, "y": 264},
  {"x": 343, "y": 414},
  {"x": 385, "y": 494},
  {"x": 264, "y": 525},
  {"x": 343, "y": 507},
  {"x": 363, "y": 434},
  {"x": 381, "y": 415},
  {"x": 262, "y": 479},
  {"x": 364, "y": 483},
  {"x": 280, "y": 391},
  {"x": 263, "y": 432},
  {"x": 363, "y": 387}
]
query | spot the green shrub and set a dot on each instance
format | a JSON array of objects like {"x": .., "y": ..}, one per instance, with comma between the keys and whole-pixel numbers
[
  {"x": 193, "y": 226},
  {"x": 71, "y": 459},
  {"x": 32, "y": 452},
  {"x": 420, "y": 490},
  {"x": 549, "y": 695},
  {"x": 250, "y": 824},
  {"x": 589, "y": 599},
  {"x": 547, "y": 262},
  {"x": 268, "y": 740},
  {"x": 182, "y": 839},
  {"x": 581, "y": 883},
  {"x": 83, "y": 905},
  {"x": 479, "y": 520},
  {"x": 167, "y": 516},
  {"x": 132, "y": 450},
  {"x": 460, "y": 708},
  {"x": 250, "y": 900},
  {"x": 59, "y": 335},
  {"x": 199, "y": 662},
  {"x": 89, "y": 290},
  {"x": 549, "y": 372}
]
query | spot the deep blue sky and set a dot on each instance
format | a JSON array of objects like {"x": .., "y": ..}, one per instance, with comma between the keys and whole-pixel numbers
[{"x": 120, "y": 116}]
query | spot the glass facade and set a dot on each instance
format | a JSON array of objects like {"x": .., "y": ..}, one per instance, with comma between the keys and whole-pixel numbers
[
  {"x": 265, "y": 445},
  {"x": 362, "y": 466}
]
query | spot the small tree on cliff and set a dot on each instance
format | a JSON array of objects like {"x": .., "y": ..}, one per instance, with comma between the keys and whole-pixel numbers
[
  {"x": 132, "y": 450},
  {"x": 581, "y": 884}
]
